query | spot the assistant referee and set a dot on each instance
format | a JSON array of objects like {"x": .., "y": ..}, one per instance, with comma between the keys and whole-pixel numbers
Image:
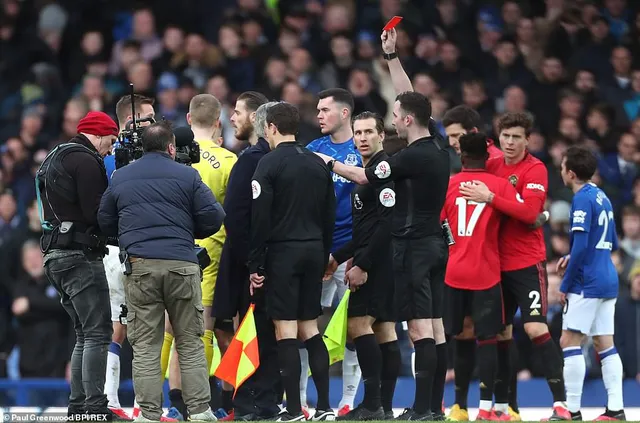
[
  {"x": 292, "y": 221},
  {"x": 421, "y": 175}
]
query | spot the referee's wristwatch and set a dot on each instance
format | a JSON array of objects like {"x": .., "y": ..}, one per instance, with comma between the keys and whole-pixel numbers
[
  {"x": 390, "y": 56},
  {"x": 330, "y": 163}
]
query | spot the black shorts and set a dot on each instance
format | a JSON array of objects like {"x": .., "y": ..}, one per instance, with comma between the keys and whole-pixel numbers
[
  {"x": 419, "y": 266},
  {"x": 485, "y": 308},
  {"x": 293, "y": 281},
  {"x": 224, "y": 325},
  {"x": 376, "y": 297},
  {"x": 526, "y": 289}
]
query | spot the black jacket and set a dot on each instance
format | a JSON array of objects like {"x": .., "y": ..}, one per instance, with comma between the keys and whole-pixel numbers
[
  {"x": 91, "y": 182},
  {"x": 232, "y": 287},
  {"x": 157, "y": 207},
  {"x": 293, "y": 200}
]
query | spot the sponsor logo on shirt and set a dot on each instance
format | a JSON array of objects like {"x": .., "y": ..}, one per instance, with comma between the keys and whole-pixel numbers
[
  {"x": 579, "y": 216},
  {"x": 256, "y": 189},
  {"x": 387, "y": 197},
  {"x": 337, "y": 178},
  {"x": 539, "y": 187},
  {"x": 383, "y": 170}
]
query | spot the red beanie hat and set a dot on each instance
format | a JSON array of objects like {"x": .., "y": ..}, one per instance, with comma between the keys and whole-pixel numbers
[{"x": 97, "y": 123}]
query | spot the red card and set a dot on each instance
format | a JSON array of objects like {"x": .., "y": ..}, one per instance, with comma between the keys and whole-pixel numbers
[{"x": 392, "y": 23}]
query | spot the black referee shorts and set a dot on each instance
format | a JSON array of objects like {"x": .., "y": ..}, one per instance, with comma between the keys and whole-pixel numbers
[
  {"x": 293, "y": 281},
  {"x": 526, "y": 289},
  {"x": 485, "y": 307},
  {"x": 376, "y": 298},
  {"x": 419, "y": 266}
]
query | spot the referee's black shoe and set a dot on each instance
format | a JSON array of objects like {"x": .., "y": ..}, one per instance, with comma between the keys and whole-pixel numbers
[
  {"x": 360, "y": 413},
  {"x": 284, "y": 416},
  {"x": 410, "y": 414},
  {"x": 388, "y": 415}
]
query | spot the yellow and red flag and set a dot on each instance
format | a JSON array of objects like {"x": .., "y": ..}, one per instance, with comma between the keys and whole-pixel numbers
[{"x": 242, "y": 358}]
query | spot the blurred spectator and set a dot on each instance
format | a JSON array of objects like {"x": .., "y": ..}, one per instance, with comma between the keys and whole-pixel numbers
[
  {"x": 628, "y": 327},
  {"x": 44, "y": 335}
]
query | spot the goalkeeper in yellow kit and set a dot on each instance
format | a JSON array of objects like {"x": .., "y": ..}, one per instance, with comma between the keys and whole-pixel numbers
[{"x": 214, "y": 167}]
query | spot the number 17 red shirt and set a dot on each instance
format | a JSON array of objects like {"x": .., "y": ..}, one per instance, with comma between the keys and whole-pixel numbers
[{"x": 474, "y": 260}]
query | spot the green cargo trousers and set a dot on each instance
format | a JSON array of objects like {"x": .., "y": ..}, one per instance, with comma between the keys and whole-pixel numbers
[{"x": 153, "y": 287}]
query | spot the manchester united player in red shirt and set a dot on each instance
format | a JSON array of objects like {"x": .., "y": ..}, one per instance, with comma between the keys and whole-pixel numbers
[
  {"x": 522, "y": 250},
  {"x": 473, "y": 274}
]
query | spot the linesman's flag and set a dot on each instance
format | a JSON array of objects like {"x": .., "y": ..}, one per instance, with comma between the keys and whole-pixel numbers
[
  {"x": 335, "y": 335},
  {"x": 242, "y": 358}
]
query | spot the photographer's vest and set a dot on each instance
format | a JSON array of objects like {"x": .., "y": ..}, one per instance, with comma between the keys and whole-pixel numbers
[{"x": 52, "y": 177}]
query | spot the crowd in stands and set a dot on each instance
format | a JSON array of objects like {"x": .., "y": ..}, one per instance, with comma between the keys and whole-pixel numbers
[{"x": 574, "y": 64}]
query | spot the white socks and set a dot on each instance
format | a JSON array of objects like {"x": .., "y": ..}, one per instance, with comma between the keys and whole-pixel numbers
[
  {"x": 304, "y": 375},
  {"x": 575, "y": 369},
  {"x": 351, "y": 375},
  {"x": 413, "y": 363},
  {"x": 612, "y": 374},
  {"x": 112, "y": 380}
]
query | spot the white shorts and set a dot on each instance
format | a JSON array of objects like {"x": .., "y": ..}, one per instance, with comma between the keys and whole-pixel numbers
[
  {"x": 589, "y": 316},
  {"x": 115, "y": 278},
  {"x": 333, "y": 286}
]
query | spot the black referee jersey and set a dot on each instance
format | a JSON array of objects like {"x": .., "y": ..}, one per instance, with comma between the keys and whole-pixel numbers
[{"x": 293, "y": 200}]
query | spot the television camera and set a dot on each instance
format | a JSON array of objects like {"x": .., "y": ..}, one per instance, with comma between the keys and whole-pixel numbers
[{"x": 129, "y": 143}]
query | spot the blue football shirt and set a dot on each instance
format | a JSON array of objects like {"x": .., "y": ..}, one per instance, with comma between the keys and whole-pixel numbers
[
  {"x": 348, "y": 154},
  {"x": 596, "y": 275}
]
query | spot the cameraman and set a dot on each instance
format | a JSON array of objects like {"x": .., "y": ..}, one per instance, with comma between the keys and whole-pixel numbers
[
  {"x": 157, "y": 207},
  {"x": 70, "y": 184},
  {"x": 144, "y": 112}
]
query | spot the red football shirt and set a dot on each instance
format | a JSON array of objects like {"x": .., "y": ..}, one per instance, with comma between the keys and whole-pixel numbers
[
  {"x": 494, "y": 151},
  {"x": 521, "y": 246},
  {"x": 474, "y": 260}
]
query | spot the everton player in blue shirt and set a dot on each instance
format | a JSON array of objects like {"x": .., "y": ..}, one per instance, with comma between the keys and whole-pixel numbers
[
  {"x": 335, "y": 108},
  {"x": 589, "y": 286}
]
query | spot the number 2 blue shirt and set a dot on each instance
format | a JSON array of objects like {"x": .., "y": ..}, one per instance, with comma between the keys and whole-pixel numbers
[
  {"x": 594, "y": 274},
  {"x": 348, "y": 154}
]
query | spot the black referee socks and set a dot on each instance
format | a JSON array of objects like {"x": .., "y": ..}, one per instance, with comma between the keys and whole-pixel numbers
[
  {"x": 319, "y": 365},
  {"x": 426, "y": 363},
  {"x": 439, "y": 378},
  {"x": 391, "y": 362},
  {"x": 370, "y": 359},
  {"x": 289, "y": 361}
]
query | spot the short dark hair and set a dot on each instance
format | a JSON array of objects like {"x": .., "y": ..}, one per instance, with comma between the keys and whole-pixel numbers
[
  {"x": 463, "y": 115},
  {"x": 158, "y": 136},
  {"x": 285, "y": 117},
  {"x": 515, "y": 120},
  {"x": 123, "y": 107},
  {"x": 339, "y": 95},
  {"x": 581, "y": 161},
  {"x": 474, "y": 146},
  {"x": 371, "y": 115},
  {"x": 253, "y": 100},
  {"x": 413, "y": 103}
]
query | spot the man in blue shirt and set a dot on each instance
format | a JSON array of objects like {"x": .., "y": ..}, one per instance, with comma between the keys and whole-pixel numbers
[
  {"x": 335, "y": 108},
  {"x": 112, "y": 266},
  {"x": 589, "y": 285}
]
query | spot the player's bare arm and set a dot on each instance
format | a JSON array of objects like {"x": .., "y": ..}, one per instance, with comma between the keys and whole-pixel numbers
[{"x": 399, "y": 78}]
